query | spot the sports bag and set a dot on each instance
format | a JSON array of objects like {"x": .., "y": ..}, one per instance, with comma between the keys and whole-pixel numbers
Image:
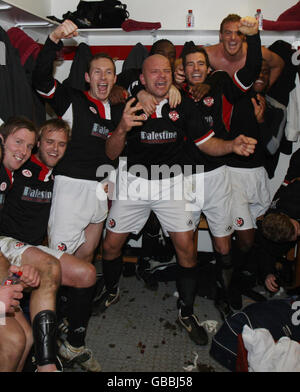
[
  {"x": 274, "y": 315},
  {"x": 98, "y": 14}
]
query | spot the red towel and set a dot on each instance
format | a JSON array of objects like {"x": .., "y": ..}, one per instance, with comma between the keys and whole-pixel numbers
[
  {"x": 134, "y": 25},
  {"x": 25, "y": 44},
  {"x": 288, "y": 20}
]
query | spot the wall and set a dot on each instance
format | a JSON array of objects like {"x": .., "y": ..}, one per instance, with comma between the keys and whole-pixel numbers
[{"x": 40, "y": 7}]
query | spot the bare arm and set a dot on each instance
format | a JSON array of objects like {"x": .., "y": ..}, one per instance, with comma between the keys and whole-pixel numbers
[
  {"x": 275, "y": 62},
  {"x": 241, "y": 145}
]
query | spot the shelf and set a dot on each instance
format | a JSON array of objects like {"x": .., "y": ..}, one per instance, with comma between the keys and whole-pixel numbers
[
  {"x": 18, "y": 17},
  {"x": 39, "y": 27}
]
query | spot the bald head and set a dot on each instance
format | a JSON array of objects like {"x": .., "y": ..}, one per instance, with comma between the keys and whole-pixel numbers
[{"x": 157, "y": 76}]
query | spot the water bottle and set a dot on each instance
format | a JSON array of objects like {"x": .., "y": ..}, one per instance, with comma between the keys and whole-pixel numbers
[
  {"x": 14, "y": 279},
  {"x": 190, "y": 21},
  {"x": 259, "y": 17}
]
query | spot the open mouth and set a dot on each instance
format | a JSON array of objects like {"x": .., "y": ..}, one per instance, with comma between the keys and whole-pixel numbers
[
  {"x": 102, "y": 87},
  {"x": 197, "y": 77}
]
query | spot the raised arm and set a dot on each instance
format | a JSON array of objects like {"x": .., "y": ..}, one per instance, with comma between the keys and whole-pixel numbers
[{"x": 245, "y": 76}]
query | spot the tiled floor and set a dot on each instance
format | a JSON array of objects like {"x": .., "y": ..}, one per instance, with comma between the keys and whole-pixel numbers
[{"x": 140, "y": 332}]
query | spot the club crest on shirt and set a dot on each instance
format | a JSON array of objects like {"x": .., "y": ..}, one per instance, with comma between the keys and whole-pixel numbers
[
  {"x": 208, "y": 101},
  {"x": 111, "y": 223},
  {"x": 174, "y": 116},
  {"x": 3, "y": 186},
  {"x": 93, "y": 110},
  {"x": 26, "y": 173},
  {"x": 62, "y": 247},
  {"x": 239, "y": 222}
]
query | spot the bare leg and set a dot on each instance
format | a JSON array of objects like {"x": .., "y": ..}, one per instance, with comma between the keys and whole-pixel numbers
[
  {"x": 93, "y": 234},
  {"x": 19, "y": 316},
  {"x": 12, "y": 345}
]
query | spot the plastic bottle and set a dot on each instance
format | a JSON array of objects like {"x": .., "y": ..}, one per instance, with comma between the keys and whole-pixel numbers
[
  {"x": 190, "y": 20},
  {"x": 14, "y": 279},
  {"x": 259, "y": 17}
]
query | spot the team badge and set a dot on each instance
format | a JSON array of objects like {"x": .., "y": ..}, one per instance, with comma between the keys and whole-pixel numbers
[
  {"x": 62, "y": 247},
  {"x": 19, "y": 245},
  {"x": 111, "y": 223},
  {"x": 208, "y": 101},
  {"x": 3, "y": 186},
  {"x": 27, "y": 173},
  {"x": 174, "y": 116},
  {"x": 239, "y": 222},
  {"x": 93, "y": 110}
]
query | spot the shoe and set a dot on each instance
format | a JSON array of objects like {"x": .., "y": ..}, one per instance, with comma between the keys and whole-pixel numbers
[
  {"x": 224, "y": 308},
  {"x": 99, "y": 287},
  {"x": 235, "y": 298},
  {"x": 196, "y": 332},
  {"x": 150, "y": 281},
  {"x": 253, "y": 295},
  {"x": 104, "y": 302},
  {"x": 63, "y": 328},
  {"x": 81, "y": 356}
]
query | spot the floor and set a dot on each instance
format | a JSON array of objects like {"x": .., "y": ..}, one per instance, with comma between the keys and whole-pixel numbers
[{"x": 140, "y": 332}]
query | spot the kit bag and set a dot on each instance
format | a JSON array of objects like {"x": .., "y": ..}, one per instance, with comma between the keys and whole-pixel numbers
[
  {"x": 99, "y": 14},
  {"x": 276, "y": 315}
]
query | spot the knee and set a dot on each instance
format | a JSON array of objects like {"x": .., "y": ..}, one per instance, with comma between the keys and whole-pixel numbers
[
  {"x": 111, "y": 249},
  {"x": 50, "y": 271},
  {"x": 223, "y": 249},
  {"x": 12, "y": 347},
  {"x": 87, "y": 276},
  {"x": 245, "y": 245}
]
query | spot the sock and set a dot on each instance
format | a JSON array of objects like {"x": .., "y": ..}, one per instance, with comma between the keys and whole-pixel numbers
[
  {"x": 78, "y": 314},
  {"x": 62, "y": 302},
  {"x": 224, "y": 270},
  {"x": 187, "y": 283},
  {"x": 112, "y": 270}
]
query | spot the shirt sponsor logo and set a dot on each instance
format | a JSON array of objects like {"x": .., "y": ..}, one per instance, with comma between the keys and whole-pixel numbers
[
  {"x": 26, "y": 173},
  {"x": 100, "y": 131},
  {"x": 174, "y": 116},
  {"x": 3, "y": 186},
  {"x": 208, "y": 101},
  {"x": 158, "y": 137},
  {"x": 36, "y": 195}
]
